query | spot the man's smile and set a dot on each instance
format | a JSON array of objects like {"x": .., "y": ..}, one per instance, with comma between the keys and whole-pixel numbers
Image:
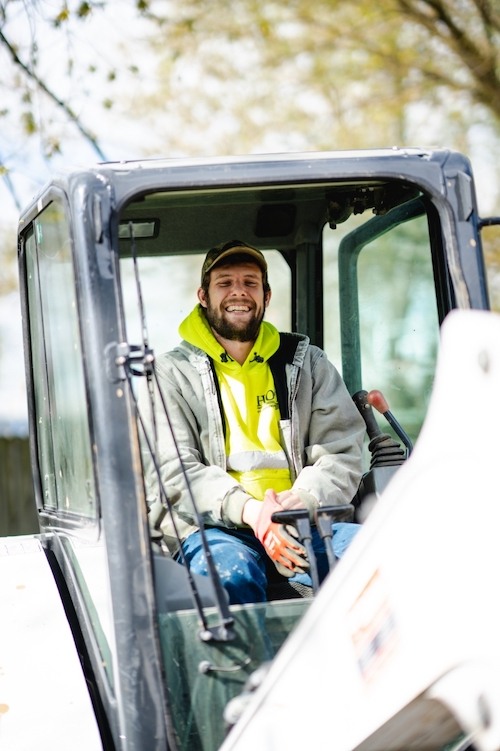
[{"x": 238, "y": 308}]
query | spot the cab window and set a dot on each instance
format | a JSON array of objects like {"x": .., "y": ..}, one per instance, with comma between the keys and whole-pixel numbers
[
  {"x": 63, "y": 442},
  {"x": 384, "y": 330}
]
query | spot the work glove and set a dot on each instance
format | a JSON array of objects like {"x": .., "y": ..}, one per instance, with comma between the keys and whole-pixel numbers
[{"x": 279, "y": 541}]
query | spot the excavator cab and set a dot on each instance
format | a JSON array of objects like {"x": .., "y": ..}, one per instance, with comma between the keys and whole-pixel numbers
[{"x": 367, "y": 254}]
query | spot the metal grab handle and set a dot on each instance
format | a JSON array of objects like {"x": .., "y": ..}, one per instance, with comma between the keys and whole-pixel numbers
[
  {"x": 299, "y": 519},
  {"x": 325, "y": 516}
]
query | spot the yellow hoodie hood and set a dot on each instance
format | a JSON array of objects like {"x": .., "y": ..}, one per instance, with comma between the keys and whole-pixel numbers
[{"x": 196, "y": 330}]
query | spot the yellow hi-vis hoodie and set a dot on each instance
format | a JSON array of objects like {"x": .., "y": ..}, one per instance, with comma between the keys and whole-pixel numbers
[{"x": 255, "y": 457}]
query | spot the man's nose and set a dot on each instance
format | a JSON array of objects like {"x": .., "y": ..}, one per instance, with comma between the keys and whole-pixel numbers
[{"x": 238, "y": 289}]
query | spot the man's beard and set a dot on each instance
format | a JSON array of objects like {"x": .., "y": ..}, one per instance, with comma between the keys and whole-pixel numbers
[{"x": 227, "y": 330}]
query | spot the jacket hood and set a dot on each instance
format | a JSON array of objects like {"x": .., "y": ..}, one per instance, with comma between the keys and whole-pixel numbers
[{"x": 195, "y": 330}]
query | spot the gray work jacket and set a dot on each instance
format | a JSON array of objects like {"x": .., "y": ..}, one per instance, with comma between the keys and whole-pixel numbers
[{"x": 322, "y": 437}]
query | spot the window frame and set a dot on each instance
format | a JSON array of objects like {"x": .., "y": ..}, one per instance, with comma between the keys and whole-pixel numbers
[{"x": 52, "y": 514}]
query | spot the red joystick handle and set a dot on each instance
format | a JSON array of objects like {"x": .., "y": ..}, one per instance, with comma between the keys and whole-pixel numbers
[{"x": 377, "y": 400}]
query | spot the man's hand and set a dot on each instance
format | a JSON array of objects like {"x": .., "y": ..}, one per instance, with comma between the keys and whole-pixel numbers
[
  {"x": 281, "y": 546},
  {"x": 288, "y": 499}
]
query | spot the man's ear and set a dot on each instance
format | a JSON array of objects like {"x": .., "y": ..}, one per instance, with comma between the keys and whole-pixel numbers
[
  {"x": 202, "y": 297},
  {"x": 267, "y": 298}
]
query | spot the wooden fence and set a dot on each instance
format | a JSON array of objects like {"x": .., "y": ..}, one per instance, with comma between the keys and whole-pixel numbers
[{"x": 18, "y": 514}]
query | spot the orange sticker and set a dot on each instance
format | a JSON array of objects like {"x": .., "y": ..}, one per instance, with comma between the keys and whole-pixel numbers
[{"x": 372, "y": 627}]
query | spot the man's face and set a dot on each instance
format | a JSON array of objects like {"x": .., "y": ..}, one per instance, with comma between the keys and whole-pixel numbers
[{"x": 235, "y": 302}]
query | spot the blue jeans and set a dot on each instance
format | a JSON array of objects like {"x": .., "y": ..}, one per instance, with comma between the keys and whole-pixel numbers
[{"x": 243, "y": 565}]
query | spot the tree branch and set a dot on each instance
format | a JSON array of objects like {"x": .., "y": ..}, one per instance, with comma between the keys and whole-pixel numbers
[
  {"x": 55, "y": 99},
  {"x": 481, "y": 63}
]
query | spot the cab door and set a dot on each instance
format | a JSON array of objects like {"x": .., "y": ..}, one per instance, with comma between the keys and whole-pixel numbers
[
  {"x": 92, "y": 514},
  {"x": 393, "y": 295}
]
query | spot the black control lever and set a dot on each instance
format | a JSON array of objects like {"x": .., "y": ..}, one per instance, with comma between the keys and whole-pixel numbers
[
  {"x": 366, "y": 412},
  {"x": 384, "y": 450},
  {"x": 325, "y": 516},
  {"x": 299, "y": 519},
  {"x": 377, "y": 400}
]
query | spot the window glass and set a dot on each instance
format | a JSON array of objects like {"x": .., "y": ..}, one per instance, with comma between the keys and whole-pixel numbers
[
  {"x": 61, "y": 406},
  {"x": 397, "y": 321},
  {"x": 40, "y": 379},
  {"x": 490, "y": 237}
]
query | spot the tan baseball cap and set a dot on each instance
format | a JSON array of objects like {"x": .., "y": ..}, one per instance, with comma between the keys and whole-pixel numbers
[{"x": 225, "y": 250}]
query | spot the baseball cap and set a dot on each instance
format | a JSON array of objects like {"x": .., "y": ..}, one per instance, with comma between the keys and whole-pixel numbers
[{"x": 225, "y": 250}]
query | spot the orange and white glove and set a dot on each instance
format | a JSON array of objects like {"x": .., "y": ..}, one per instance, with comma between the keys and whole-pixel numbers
[{"x": 288, "y": 555}]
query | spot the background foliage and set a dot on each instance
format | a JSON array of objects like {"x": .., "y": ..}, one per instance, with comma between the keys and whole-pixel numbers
[
  {"x": 85, "y": 81},
  {"x": 232, "y": 76}
]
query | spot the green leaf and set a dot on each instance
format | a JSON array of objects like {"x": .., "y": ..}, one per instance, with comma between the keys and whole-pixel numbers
[
  {"x": 84, "y": 10},
  {"x": 62, "y": 16},
  {"x": 29, "y": 123}
]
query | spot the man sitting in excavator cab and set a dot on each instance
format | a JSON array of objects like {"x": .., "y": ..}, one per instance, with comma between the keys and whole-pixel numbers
[{"x": 258, "y": 427}]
